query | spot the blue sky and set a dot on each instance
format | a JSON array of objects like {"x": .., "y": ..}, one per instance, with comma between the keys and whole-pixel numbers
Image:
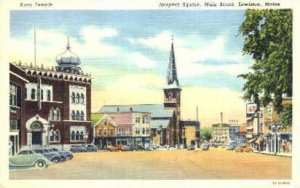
[{"x": 131, "y": 47}]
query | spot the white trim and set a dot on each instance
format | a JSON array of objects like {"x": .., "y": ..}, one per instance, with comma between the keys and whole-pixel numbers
[{"x": 24, "y": 79}]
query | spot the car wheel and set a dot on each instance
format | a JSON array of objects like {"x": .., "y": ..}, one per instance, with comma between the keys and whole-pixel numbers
[
  {"x": 40, "y": 164},
  {"x": 55, "y": 160}
]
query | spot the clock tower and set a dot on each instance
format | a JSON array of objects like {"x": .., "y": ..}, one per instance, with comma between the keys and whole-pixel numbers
[{"x": 172, "y": 93}]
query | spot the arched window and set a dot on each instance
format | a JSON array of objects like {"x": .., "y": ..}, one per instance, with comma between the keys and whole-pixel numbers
[
  {"x": 33, "y": 94},
  {"x": 48, "y": 95},
  {"x": 81, "y": 135},
  {"x": 73, "y": 97},
  {"x": 77, "y": 135},
  {"x": 82, "y": 116},
  {"x": 56, "y": 114},
  {"x": 73, "y": 115},
  {"x": 82, "y": 98},
  {"x": 52, "y": 136},
  {"x": 77, "y": 115},
  {"x": 77, "y": 98},
  {"x": 57, "y": 136},
  {"x": 73, "y": 135}
]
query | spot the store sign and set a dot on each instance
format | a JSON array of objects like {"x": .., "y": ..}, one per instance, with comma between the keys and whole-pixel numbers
[{"x": 251, "y": 108}]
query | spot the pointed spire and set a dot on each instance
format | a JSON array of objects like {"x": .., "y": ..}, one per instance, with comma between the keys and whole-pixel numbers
[
  {"x": 172, "y": 71},
  {"x": 68, "y": 44}
]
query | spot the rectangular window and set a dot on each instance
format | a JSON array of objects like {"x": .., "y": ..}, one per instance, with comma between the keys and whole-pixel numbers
[
  {"x": 111, "y": 132},
  {"x": 13, "y": 124},
  {"x": 270, "y": 111},
  {"x": 105, "y": 132},
  {"x": 99, "y": 132},
  {"x": 13, "y": 95},
  {"x": 138, "y": 120}
]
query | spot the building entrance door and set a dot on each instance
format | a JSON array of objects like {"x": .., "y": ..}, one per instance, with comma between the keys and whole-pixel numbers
[{"x": 37, "y": 138}]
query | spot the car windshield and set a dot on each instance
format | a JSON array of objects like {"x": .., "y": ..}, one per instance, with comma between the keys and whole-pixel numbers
[
  {"x": 54, "y": 149},
  {"x": 46, "y": 151}
]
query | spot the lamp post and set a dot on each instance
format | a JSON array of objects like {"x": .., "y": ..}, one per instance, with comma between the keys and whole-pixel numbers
[{"x": 275, "y": 129}]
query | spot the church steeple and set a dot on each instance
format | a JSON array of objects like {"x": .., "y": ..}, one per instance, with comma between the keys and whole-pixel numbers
[{"x": 172, "y": 71}]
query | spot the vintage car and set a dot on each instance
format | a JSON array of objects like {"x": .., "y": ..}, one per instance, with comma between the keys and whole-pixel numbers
[
  {"x": 29, "y": 158},
  {"x": 78, "y": 148},
  {"x": 91, "y": 147},
  {"x": 115, "y": 148},
  {"x": 52, "y": 156},
  {"x": 205, "y": 146},
  {"x": 67, "y": 154},
  {"x": 243, "y": 149}
]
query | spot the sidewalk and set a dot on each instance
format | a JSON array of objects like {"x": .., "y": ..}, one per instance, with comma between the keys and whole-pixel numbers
[{"x": 271, "y": 153}]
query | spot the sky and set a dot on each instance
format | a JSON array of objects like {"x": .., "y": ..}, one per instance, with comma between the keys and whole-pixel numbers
[{"x": 127, "y": 54}]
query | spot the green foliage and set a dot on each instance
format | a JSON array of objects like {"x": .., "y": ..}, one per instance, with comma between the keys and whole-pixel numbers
[
  {"x": 268, "y": 39},
  {"x": 286, "y": 117},
  {"x": 205, "y": 133},
  {"x": 96, "y": 117}
]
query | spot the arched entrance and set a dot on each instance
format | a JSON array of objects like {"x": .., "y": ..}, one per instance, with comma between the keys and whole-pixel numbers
[{"x": 37, "y": 131}]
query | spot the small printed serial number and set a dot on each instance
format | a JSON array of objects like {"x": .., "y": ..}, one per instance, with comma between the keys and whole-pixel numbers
[{"x": 281, "y": 183}]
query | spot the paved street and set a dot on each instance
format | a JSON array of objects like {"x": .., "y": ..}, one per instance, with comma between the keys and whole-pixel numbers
[{"x": 177, "y": 164}]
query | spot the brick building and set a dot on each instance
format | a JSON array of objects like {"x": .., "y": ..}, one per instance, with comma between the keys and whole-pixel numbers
[{"x": 54, "y": 103}]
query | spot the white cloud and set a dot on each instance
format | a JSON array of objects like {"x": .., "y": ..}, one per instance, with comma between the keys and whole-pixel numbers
[
  {"x": 140, "y": 60},
  {"x": 51, "y": 43},
  {"x": 191, "y": 50},
  {"x": 160, "y": 41}
]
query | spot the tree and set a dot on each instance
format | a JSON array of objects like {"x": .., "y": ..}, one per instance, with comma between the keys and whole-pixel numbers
[
  {"x": 205, "y": 134},
  {"x": 268, "y": 39},
  {"x": 286, "y": 116}
]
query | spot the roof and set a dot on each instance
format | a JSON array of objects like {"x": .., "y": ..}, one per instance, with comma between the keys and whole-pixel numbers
[
  {"x": 243, "y": 129},
  {"x": 154, "y": 124},
  {"x": 156, "y": 110}
]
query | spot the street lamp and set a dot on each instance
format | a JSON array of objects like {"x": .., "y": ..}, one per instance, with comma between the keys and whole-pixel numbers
[{"x": 275, "y": 129}]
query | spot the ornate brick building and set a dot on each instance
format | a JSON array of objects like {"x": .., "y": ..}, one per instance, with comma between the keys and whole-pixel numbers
[{"x": 54, "y": 103}]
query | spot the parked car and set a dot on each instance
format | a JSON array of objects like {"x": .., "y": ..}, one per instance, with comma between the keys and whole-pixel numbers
[
  {"x": 78, "y": 148},
  {"x": 243, "y": 149},
  {"x": 139, "y": 148},
  {"x": 91, "y": 147},
  {"x": 67, "y": 154},
  {"x": 205, "y": 146},
  {"x": 190, "y": 147},
  {"x": 230, "y": 147},
  {"x": 128, "y": 148},
  {"x": 29, "y": 158},
  {"x": 115, "y": 148},
  {"x": 53, "y": 157}
]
